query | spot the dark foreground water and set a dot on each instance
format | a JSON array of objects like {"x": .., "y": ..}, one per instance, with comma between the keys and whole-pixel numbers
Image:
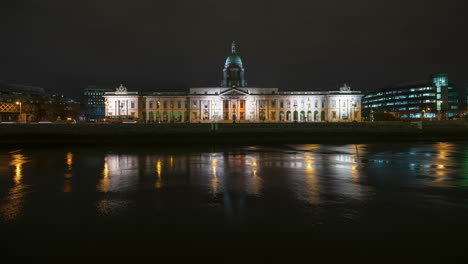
[{"x": 291, "y": 200}]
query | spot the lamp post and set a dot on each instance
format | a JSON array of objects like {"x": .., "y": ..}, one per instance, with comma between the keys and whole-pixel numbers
[
  {"x": 159, "y": 116},
  {"x": 20, "y": 104},
  {"x": 255, "y": 110},
  {"x": 213, "y": 106},
  {"x": 295, "y": 110},
  {"x": 440, "y": 111}
]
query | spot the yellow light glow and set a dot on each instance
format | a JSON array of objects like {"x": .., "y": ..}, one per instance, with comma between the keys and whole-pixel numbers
[
  {"x": 105, "y": 181},
  {"x": 158, "y": 183}
]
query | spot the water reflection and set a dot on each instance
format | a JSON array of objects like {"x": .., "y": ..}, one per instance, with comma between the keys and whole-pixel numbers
[
  {"x": 228, "y": 178},
  {"x": 158, "y": 184},
  {"x": 67, "y": 185},
  {"x": 12, "y": 205}
]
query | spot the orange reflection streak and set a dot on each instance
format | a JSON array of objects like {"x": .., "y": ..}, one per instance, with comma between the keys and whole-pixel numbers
[
  {"x": 158, "y": 183},
  {"x": 69, "y": 160},
  {"x": 443, "y": 160},
  {"x": 103, "y": 185},
  {"x": 15, "y": 199},
  {"x": 67, "y": 186}
]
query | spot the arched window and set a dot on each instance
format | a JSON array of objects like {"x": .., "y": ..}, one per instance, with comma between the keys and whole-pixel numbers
[
  {"x": 296, "y": 115},
  {"x": 323, "y": 115},
  {"x": 316, "y": 113},
  {"x": 288, "y": 116}
]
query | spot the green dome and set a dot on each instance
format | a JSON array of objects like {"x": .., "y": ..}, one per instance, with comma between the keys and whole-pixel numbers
[{"x": 233, "y": 59}]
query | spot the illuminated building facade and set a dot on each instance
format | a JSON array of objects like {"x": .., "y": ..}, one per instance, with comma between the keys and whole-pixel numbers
[
  {"x": 234, "y": 101},
  {"x": 431, "y": 99}
]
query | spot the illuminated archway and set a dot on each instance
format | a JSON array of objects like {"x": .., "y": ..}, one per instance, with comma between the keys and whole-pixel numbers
[
  {"x": 172, "y": 117},
  {"x": 179, "y": 116},
  {"x": 158, "y": 117}
]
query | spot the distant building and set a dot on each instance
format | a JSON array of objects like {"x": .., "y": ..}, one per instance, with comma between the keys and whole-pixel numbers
[
  {"x": 94, "y": 101},
  {"x": 16, "y": 101},
  {"x": 435, "y": 98},
  {"x": 234, "y": 101}
]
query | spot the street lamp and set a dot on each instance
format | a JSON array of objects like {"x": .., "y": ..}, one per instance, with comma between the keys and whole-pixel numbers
[
  {"x": 159, "y": 116},
  {"x": 255, "y": 110},
  {"x": 213, "y": 106},
  {"x": 440, "y": 111},
  {"x": 20, "y": 104}
]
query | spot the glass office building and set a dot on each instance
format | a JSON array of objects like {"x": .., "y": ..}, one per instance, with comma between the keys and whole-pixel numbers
[
  {"x": 94, "y": 102},
  {"x": 435, "y": 98}
]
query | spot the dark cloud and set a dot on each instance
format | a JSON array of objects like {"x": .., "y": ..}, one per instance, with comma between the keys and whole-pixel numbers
[{"x": 173, "y": 45}]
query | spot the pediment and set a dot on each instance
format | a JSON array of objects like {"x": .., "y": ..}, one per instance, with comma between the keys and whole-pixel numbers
[{"x": 234, "y": 91}]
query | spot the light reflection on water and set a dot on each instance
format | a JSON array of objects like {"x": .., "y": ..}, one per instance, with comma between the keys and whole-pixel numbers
[
  {"x": 12, "y": 205},
  {"x": 309, "y": 172}
]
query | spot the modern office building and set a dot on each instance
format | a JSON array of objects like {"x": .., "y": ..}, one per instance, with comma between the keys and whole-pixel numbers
[
  {"x": 435, "y": 98},
  {"x": 233, "y": 101},
  {"x": 94, "y": 102}
]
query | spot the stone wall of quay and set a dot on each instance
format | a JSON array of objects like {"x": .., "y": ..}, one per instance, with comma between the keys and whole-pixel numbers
[{"x": 232, "y": 132}]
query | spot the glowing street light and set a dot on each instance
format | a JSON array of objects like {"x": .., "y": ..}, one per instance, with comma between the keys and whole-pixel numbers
[{"x": 20, "y": 104}]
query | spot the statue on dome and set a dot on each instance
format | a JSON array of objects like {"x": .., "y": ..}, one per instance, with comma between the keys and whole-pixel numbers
[
  {"x": 121, "y": 89},
  {"x": 345, "y": 88}
]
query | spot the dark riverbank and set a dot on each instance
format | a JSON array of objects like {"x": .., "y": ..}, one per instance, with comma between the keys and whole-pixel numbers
[{"x": 227, "y": 133}]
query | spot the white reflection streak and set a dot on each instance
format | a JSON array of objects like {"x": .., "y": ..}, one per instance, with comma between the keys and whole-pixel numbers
[{"x": 313, "y": 189}]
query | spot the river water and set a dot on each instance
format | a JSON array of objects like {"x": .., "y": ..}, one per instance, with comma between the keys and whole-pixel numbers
[{"x": 356, "y": 199}]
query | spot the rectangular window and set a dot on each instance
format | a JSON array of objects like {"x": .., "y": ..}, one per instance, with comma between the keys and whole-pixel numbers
[
  {"x": 151, "y": 104},
  {"x": 132, "y": 105},
  {"x": 334, "y": 114},
  {"x": 289, "y": 104},
  {"x": 316, "y": 104},
  {"x": 273, "y": 103},
  {"x": 333, "y": 103},
  {"x": 165, "y": 104},
  {"x": 281, "y": 104},
  {"x": 179, "y": 104},
  {"x": 323, "y": 104}
]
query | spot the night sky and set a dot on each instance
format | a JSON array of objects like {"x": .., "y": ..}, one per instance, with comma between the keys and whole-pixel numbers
[{"x": 170, "y": 45}]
